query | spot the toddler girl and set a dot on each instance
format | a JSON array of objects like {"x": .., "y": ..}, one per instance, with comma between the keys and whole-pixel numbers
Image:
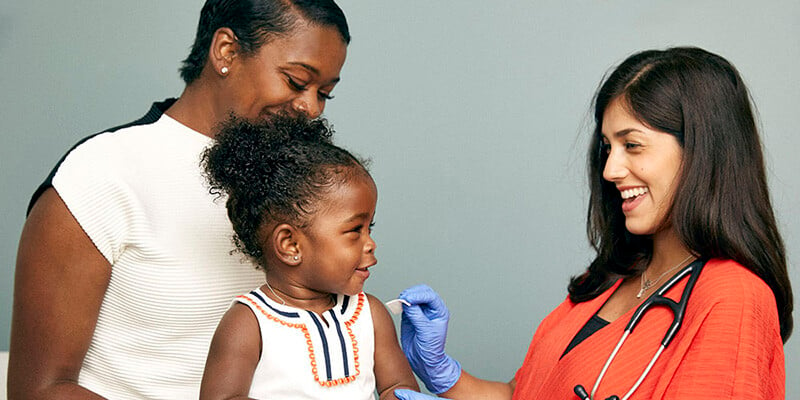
[{"x": 302, "y": 209}]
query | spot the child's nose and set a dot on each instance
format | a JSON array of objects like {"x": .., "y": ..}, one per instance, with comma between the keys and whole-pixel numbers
[{"x": 370, "y": 246}]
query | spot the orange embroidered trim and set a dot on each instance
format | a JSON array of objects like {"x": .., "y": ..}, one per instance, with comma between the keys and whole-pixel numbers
[
  {"x": 270, "y": 316},
  {"x": 311, "y": 356}
]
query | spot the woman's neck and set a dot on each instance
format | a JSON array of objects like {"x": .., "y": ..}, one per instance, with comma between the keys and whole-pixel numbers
[
  {"x": 197, "y": 109},
  {"x": 668, "y": 252}
]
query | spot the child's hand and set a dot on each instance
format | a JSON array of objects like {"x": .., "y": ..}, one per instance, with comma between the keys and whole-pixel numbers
[
  {"x": 405, "y": 394},
  {"x": 423, "y": 332}
]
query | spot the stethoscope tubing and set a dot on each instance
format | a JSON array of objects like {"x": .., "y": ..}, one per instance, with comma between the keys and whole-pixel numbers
[
  {"x": 608, "y": 361},
  {"x": 656, "y": 299}
]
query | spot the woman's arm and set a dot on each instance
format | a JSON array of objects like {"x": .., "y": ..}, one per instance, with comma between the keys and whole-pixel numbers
[
  {"x": 391, "y": 367},
  {"x": 424, "y": 331},
  {"x": 59, "y": 285},
  {"x": 233, "y": 356},
  {"x": 469, "y": 387}
]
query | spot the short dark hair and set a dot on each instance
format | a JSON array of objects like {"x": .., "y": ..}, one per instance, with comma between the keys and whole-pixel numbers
[
  {"x": 721, "y": 206},
  {"x": 255, "y": 22},
  {"x": 275, "y": 172}
]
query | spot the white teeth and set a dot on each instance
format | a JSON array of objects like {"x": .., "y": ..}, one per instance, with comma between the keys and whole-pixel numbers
[{"x": 629, "y": 193}]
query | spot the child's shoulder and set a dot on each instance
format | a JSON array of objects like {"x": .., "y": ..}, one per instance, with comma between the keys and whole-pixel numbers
[
  {"x": 380, "y": 315},
  {"x": 372, "y": 299},
  {"x": 374, "y": 302}
]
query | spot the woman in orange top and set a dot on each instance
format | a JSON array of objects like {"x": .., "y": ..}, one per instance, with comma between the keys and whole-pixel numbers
[{"x": 677, "y": 178}]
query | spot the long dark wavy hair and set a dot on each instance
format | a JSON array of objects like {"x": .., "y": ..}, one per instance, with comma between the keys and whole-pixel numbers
[{"x": 721, "y": 207}]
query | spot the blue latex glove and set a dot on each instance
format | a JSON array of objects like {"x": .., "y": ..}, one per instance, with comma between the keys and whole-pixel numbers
[
  {"x": 423, "y": 331},
  {"x": 405, "y": 394}
]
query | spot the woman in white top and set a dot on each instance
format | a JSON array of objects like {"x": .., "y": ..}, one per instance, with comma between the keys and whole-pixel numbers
[{"x": 124, "y": 264}]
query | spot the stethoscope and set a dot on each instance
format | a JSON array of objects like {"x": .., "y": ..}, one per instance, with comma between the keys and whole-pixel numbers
[{"x": 657, "y": 299}]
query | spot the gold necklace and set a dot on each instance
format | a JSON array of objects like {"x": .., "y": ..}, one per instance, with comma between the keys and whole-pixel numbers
[
  {"x": 283, "y": 302},
  {"x": 647, "y": 284}
]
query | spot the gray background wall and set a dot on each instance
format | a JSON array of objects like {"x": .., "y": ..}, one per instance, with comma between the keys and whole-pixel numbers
[{"x": 473, "y": 111}]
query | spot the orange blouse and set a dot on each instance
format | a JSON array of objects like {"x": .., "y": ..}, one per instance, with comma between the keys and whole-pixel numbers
[{"x": 729, "y": 346}]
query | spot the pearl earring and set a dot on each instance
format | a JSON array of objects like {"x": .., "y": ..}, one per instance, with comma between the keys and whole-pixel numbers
[
  {"x": 223, "y": 70},
  {"x": 296, "y": 258}
]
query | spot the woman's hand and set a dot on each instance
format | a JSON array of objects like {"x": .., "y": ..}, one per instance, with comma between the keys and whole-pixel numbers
[{"x": 423, "y": 332}]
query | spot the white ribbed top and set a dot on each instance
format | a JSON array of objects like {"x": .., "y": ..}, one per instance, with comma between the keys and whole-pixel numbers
[{"x": 140, "y": 196}]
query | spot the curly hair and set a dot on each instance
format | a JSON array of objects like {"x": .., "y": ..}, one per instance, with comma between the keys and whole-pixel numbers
[{"x": 273, "y": 172}]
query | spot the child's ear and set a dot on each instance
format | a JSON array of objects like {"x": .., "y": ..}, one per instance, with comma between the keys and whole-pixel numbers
[{"x": 284, "y": 240}]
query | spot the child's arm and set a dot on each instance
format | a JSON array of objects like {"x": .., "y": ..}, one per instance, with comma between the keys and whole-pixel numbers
[
  {"x": 233, "y": 357},
  {"x": 391, "y": 368}
]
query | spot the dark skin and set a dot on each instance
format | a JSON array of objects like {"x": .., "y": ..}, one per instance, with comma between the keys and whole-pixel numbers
[
  {"x": 236, "y": 347},
  {"x": 306, "y": 266},
  {"x": 61, "y": 277},
  {"x": 294, "y": 74},
  {"x": 391, "y": 367},
  {"x": 55, "y": 304}
]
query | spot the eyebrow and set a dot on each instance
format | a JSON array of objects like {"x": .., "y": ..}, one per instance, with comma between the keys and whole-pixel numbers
[
  {"x": 312, "y": 69},
  {"x": 622, "y": 133},
  {"x": 363, "y": 215}
]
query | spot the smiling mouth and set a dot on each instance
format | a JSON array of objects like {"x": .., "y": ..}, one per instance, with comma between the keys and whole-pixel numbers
[
  {"x": 632, "y": 193},
  {"x": 366, "y": 268}
]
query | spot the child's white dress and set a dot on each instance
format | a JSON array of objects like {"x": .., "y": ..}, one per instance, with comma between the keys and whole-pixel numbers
[{"x": 310, "y": 356}]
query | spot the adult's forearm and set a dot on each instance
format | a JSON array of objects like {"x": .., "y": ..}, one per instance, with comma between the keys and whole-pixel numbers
[
  {"x": 56, "y": 390},
  {"x": 469, "y": 387}
]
